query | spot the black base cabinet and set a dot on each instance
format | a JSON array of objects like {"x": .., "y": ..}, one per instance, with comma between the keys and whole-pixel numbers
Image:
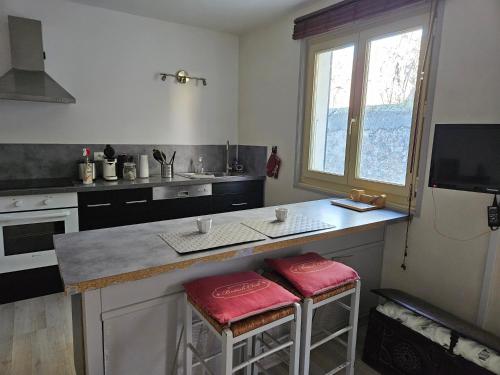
[
  {"x": 19, "y": 285},
  {"x": 112, "y": 208},
  {"x": 168, "y": 209},
  {"x": 235, "y": 196}
]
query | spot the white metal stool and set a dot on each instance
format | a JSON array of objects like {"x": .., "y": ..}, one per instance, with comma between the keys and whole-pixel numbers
[
  {"x": 240, "y": 335},
  {"x": 310, "y": 304}
]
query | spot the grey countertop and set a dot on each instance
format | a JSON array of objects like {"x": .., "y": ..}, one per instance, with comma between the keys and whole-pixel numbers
[
  {"x": 95, "y": 259},
  {"x": 9, "y": 188}
]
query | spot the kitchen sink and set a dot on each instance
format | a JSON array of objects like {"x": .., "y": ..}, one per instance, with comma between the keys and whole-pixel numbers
[{"x": 193, "y": 176}]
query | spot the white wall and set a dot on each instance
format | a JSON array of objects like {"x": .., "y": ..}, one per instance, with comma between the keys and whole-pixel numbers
[
  {"x": 444, "y": 271},
  {"x": 109, "y": 60},
  {"x": 269, "y": 81}
]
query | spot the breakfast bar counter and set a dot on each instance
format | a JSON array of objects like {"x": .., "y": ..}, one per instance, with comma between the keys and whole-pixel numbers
[{"x": 126, "y": 282}]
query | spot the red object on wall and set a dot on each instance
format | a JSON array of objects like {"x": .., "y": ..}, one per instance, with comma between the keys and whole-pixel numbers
[{"x": 274, "y": 163}]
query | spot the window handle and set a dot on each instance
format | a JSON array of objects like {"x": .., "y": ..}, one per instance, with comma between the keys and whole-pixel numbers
[{"x": 351, "y": 124}]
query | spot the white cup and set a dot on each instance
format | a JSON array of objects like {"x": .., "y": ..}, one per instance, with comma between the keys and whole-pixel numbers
[
  {"x": 281, "y": 213},
  {"x": 204, "y": 224}
]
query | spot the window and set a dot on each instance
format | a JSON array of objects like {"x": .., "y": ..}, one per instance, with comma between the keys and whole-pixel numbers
[{"x": 360, "y": 108}]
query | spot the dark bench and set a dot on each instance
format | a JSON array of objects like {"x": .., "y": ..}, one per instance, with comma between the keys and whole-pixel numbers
[{"x": 392, "y": 348}]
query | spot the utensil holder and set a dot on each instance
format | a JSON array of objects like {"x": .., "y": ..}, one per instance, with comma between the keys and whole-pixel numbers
[{"x": 167, "y": 170}]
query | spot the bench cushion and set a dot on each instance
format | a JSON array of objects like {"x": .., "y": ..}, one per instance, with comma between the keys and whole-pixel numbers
[
  {"x": 233, "y": 297},
  {"x": 311, "y": 274}
]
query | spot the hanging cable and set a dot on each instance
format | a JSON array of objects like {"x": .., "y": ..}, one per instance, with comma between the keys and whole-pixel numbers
[
  {"x": 421, "y": 99},
  {"x": 438, "y": 231}
]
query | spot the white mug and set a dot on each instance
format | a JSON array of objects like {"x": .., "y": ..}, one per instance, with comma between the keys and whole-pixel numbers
[
  {"x": 204, "y": 224},
  {"x": 281, "y": 213}
]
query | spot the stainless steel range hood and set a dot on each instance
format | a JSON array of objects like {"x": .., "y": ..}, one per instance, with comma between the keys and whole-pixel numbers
[{"x": 27, "y": 79}]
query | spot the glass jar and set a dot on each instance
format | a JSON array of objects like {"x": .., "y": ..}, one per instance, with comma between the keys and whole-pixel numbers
[{"x": 129, "y": 171}]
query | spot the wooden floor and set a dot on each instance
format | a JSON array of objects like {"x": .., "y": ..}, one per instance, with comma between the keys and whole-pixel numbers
[{"x": 36, "y": 338}]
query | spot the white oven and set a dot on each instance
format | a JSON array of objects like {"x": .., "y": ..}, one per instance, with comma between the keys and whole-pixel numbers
[{"x": 27, "y": 226}]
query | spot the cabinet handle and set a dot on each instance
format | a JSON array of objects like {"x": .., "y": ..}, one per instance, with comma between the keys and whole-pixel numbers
[
  {"x": 137, "y": 202},
  {"x": 239, "y": 204},
  {"x": 98, "y": 205}
]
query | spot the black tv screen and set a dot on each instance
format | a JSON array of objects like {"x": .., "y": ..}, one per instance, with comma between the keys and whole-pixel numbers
[{"x": 466, "y": 157}]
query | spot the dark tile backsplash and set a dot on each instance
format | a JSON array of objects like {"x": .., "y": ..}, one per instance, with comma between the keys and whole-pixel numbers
[{"x": 27, "y": 161}]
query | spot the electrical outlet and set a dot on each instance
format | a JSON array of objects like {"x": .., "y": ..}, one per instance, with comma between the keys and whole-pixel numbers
[{"x": 98, "y": 156}]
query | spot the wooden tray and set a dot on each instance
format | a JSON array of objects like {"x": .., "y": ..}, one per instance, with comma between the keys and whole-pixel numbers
[{"x": 352, "y": 205}]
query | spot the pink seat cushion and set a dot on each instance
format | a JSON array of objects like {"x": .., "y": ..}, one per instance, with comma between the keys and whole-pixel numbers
[
  {"x": 229, "y": 298},
  {"x": 311, "y": 274}
]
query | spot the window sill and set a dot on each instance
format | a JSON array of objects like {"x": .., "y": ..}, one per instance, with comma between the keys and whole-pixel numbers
[{"x": 398, "y": 203}]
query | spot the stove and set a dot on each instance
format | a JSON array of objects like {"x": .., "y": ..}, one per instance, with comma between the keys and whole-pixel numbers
[{"x": 35, "y": 183}]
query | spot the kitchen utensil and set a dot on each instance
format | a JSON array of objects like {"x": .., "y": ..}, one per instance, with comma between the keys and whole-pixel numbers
[
  {"x": 167, "y": 170},
  {"x": 281, "y": 213},
  {"x": 143, "y": 166},
  {"x": 159, "y": 156},
  {"x": 204, "y": 224},
  {"x": 172, "y": 158}
]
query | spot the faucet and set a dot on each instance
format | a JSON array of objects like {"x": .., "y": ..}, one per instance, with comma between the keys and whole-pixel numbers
[{"x": 228, "y": 168}]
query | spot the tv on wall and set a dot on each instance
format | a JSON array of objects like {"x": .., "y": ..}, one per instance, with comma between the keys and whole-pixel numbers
[{"x": 466, "y": 157}]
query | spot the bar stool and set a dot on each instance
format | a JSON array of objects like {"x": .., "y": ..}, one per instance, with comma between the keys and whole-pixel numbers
[
  {"x": 235, "y": 308},
  {"x": 318, "y": 282}
]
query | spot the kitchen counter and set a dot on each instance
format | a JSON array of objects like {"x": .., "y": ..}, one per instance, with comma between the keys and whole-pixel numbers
[
  {"x": 126, "y": 282},
  {"x": 96, "y": 259},
  {"x": 44, "y": 186}
]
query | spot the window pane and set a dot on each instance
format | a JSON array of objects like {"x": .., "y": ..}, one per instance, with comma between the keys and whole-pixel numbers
[
  {"x": 386, "y": 115},
  {"x": 332, "y": 91}
]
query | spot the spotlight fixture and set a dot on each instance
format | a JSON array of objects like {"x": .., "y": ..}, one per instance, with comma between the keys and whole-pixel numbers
[{"x": 183, "y": 77}]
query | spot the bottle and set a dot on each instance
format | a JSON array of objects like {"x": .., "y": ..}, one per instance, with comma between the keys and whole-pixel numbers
[
  {"x": 199, "y": 166},
  {"x": 88, "y": 170}
]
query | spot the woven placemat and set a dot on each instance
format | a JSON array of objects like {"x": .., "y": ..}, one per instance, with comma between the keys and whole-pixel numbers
[
  {"x": 219, "y": 236},
  {"x": 294, "y": 224}
]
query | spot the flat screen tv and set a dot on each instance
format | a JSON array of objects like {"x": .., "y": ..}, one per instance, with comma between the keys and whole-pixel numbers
[{"x": 466, "y": 157}]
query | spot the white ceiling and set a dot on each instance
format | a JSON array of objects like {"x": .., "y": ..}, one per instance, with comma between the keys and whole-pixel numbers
[{"x": 233, "y": 16}]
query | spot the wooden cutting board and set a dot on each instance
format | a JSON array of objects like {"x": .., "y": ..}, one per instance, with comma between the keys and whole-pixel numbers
[{"x": 352, "y": 205}]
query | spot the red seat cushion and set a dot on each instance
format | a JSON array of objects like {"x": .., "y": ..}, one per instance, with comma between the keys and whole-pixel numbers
[
  {"x": 311, "y": 274},
  {"x": 229, "y": 298}
]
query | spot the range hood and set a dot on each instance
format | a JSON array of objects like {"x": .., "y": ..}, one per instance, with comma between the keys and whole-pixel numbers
[{"x": 27, "y": 79}]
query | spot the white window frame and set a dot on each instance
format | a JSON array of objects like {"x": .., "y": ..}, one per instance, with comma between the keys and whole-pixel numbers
[{"x": 358, "y": 34}]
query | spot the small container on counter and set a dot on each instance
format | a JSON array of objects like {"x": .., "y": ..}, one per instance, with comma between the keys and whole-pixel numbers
[
  {"x": 143, "y": 166},
  {"x": 82, "y": 169},
  {"x": 129, "y": 171},
  {"x": 120, "y": 160}
]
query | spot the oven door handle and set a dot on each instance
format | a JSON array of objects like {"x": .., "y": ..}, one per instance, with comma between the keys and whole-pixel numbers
[{"x": 32, "y": 216}]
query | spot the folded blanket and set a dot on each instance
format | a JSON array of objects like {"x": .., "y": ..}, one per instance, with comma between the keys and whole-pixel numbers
[
  {"x": 417, "y": 323},
  {"x": 479, "y": 354}
]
